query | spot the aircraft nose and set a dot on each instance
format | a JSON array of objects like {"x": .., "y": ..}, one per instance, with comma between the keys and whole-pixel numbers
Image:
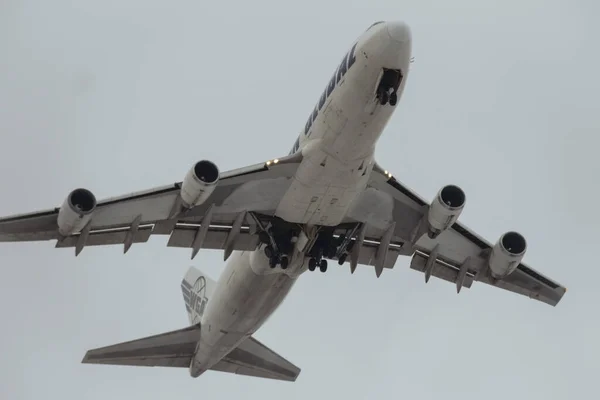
[{"x": 399, "y": 31}]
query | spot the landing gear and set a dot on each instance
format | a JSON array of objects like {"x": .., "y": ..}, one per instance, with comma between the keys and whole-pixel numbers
[
  {"x": 383, "y": 98},
  {"x": 275, "y": 258},
  {"x": 323, "y": 265},
  {"x": 279, "y": 238},
  {"x": 313, "y": 263},
  {"x": 269, "y": 252},
  {"x": 387, "y": 90},
  {"x": 272, "y": 262}
]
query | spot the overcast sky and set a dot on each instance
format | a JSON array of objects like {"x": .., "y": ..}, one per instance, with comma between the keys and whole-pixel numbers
[{"x": 120, "y": 96}]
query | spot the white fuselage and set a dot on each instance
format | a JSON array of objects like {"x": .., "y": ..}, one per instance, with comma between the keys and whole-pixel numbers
[{"x": 337, "y": 146}]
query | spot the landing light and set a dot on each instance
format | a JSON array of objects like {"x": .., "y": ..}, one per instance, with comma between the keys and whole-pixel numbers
[
  {"x": 389, "y": 175},
  {"x": 275, "y": 161}
]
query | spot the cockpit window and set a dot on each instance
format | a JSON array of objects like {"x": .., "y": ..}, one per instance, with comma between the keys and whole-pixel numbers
[{"x": 376, "y": 23}]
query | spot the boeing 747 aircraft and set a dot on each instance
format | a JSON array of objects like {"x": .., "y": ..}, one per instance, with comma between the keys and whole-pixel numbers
[{"x": 327, "y": 200}]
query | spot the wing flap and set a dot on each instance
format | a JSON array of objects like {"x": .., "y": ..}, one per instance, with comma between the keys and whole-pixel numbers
[
  {"x": 252, "y": 358},
  {"x": 441, "y": 270},
  {"x": 368, "y": 253},
  {"x": 184, "y": 234},
  {"x": 108, "y": 237},
  {"x": 171, "y": 349}
]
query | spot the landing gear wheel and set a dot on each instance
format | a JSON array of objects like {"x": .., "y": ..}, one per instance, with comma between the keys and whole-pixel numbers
[
  {"x": 383, "y": 98},
  {"x": 269, "y": 252},
  {"x": 312, "y": 264},
  {"x": 342, "y": 259},
  {"x": 273, "y": 262},
  {"x": 393, "y": 99},
  {"x": 323, "y": 265},
  {"x": 284, "y": 262}
]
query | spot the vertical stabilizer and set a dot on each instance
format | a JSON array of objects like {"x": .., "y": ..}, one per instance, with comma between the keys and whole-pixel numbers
[{"x": 197, "y": 288}]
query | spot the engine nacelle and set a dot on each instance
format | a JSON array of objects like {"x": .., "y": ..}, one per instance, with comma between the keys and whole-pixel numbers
[
  {"x": 199, "y": 183},
  {"x": 445, "y": 209},
  {"x": 506, "y": 254},
  {"x": 76, "y": 211}
]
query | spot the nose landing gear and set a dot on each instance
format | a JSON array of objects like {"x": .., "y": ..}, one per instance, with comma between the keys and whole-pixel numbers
[{"x": 387, "y": 90}]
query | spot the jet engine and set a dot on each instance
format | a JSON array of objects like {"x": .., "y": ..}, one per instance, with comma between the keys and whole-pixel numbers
[
  {"x": 506, "y": 254},
  {"x": 199, "y": 183},
  {"x": 445, "y": 209},
  {"x": 76, "y": 211}
]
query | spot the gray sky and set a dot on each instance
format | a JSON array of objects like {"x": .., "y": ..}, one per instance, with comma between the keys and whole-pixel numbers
[{"x": 120, "y": 96}]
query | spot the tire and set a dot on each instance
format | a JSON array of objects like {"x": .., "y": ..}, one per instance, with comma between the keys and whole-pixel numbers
[
  {"x": 272, "y": 262},
  {"x": 323, "y": 265},
  {"x": 269, "y": 252},
  {"x": 384, "y": 98}
]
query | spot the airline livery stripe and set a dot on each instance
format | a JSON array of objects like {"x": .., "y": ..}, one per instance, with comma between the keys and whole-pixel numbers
[{"x": 347, "y": 62}]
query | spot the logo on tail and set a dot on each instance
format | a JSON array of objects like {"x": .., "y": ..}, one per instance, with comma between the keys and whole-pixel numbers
[{"x": 198, "y": 299}]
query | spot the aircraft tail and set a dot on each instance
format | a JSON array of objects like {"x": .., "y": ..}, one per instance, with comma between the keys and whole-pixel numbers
[
  {"x": 177, "y": 348},
  {"x": 196, "y": 288}
]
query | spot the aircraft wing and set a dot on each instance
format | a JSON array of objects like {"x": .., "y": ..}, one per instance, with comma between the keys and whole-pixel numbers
[
  {"x": 176, "y": 349},
  {"x": 133, "y": 218},
  {"x": 457, "y": 255}
]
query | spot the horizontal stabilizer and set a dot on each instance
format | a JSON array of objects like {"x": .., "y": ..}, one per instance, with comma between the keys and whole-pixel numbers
[
  {"x": 252, "y": 358},
  {"x": 176, "y": 349},
  {"x": 171, "y": 349}
]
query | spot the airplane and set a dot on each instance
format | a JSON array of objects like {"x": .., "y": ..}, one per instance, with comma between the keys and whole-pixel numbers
[{"x": 326, "y": 200}]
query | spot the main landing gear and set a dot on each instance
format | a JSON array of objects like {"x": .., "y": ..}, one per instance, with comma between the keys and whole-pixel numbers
[
  {"x": 276, "y": 258},
  {"x": 387, "y": 90},
  {"x": 279, "y": 239},
  {"x": 326, "y": 246},
  {"x": 313, "y": 262}
]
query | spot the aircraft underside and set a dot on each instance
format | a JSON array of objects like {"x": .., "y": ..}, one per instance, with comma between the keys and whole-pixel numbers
[{"x": 328, "y": 200}]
